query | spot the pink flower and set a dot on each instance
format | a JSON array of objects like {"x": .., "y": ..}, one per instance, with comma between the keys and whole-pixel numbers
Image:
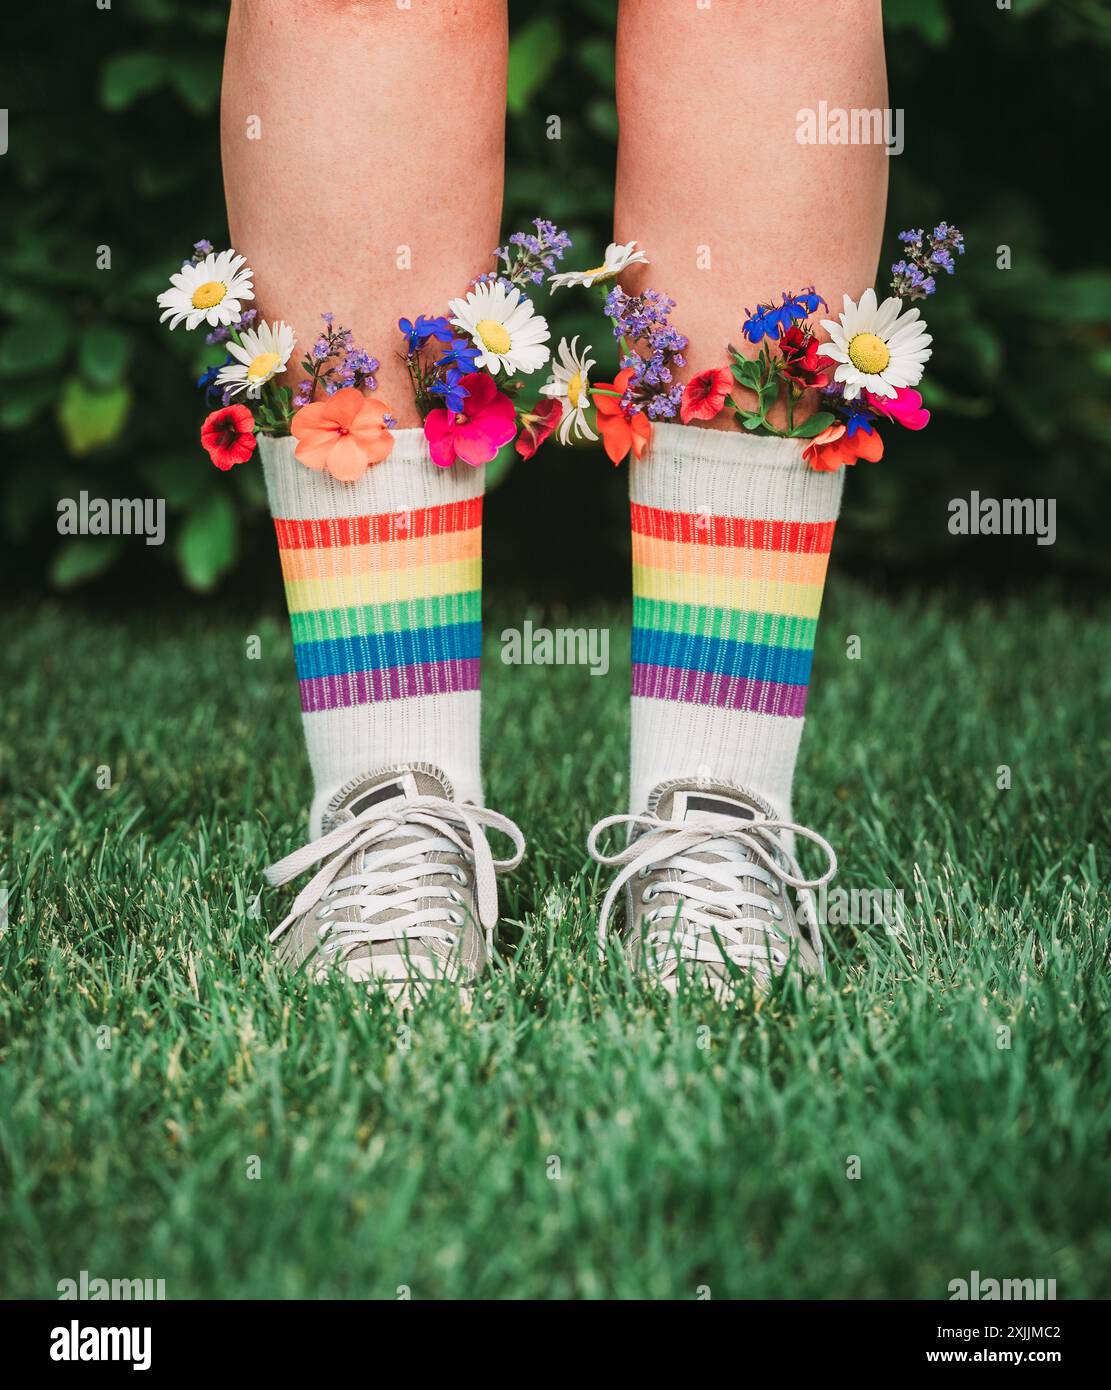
[
  {"x": 477, "y": 432},
  {"x": 905, "y": 408}
]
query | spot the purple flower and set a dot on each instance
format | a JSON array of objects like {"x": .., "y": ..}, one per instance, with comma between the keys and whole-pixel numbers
[
  {"x": 530, "y": 257},
  {"x": 913, "y": 275},
  {"x": 654, "y": 350}
]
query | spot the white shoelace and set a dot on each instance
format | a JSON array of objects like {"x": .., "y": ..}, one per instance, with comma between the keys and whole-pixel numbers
[
  {"x": 390, "y": 877},
  {"x": 753, "y": 849}
]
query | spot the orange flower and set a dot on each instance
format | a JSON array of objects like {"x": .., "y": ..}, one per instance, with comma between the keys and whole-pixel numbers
[
  {"x": 620, "y": 433},
  {"x": 835, "y": 447},
  {"x": 343, "y": 433}
]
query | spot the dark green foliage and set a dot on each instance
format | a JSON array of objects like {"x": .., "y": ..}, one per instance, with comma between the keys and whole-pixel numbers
[{"x": 114, "y": 142}]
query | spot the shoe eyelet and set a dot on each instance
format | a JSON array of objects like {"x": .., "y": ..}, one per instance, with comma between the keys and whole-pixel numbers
[
  {"x": 458, "y": 875},
  {"x": 455, "y": 897},
  {"x": 456, "y": 919},
  {"x": 649, "y": 893}
]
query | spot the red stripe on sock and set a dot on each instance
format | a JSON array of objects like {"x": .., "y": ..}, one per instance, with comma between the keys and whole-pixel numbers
[
  {"x": 385, "y": 526},
  {"x": 695, "y": 528}
]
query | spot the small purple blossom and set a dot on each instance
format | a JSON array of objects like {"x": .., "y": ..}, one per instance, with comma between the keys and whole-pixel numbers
[
  {"x": 220, "y": 334},
  {"x": 335, "y": 362},
  {"x": 529, "y": 257},
  {"x": 247, "y": 318},
  {"x": 201, "y": 249},
  {"x": 913, "y": 276},
  {"x": 653, "y": 349}
]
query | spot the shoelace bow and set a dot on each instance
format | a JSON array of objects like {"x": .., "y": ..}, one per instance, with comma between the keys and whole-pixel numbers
[
  {"x": 390, "y": 878},
  {"x": 752, "y": 849}
]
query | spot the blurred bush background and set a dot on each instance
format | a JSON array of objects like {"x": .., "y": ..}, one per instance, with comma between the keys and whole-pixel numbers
[{"x": 114, "y": 144}]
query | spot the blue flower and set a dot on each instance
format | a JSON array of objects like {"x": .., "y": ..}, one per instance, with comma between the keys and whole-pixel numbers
[
  {"x": 206, "y": 382},
  {"x": 419, "y": 333},
  {"x": 449, "y": 387},
  {"x": 857, "y": 420},
  {"x": 770, "y": 320},
  {"x": 460, "y": 353}
]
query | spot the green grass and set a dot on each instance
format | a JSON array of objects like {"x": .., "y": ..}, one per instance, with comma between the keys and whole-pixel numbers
[{"x": 694, "y": 1148}]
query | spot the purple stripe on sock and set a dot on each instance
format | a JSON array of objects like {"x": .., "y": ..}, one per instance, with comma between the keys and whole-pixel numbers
[
  {"x": 726, "y": 692},
  {"x": 389, "y": 683}
]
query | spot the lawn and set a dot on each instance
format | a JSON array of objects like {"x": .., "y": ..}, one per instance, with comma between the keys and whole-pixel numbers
[{"x": 174, "y": 1106}]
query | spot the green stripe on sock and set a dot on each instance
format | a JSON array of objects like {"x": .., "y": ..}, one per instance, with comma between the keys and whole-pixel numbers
[
  {"x": 321, "y": 624},
  {"x": 732, "y": 624}
]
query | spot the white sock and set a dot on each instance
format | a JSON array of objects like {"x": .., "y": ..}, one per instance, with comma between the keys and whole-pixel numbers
[
  {"x": 731, "y": 537},
  {"x": 383, "y": 581}
]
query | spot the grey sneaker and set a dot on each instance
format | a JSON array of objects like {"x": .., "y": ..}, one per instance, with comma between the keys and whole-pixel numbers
[
  {"x": 407, "y": 893},
  {"x": 707, "y": 873}
]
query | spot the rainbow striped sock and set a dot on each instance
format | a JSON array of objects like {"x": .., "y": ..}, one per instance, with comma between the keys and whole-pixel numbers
[
  {"x": 383, "y": 580},
  {"x": 731, "y": 539}
]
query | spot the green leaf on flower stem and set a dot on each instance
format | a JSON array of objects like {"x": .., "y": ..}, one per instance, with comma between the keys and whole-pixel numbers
[
  {"x": 89, "y": 418},
  {"x": 128, "y": 76},
  {"x": 533, "y": 52},
  {"x": 814, "y": 426},
  {"x": 752, "y": 421},
  {"x": 209, "y": 541},
  {"x": 80, "y": 560},
  {"x": 747, "y": 373},
  {"x": 103, "y": 354}
]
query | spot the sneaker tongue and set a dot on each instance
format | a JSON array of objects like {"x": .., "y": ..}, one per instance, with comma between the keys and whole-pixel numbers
[
  {"x": 714, "y": 804},
  {"x": 375, "y": 790}
]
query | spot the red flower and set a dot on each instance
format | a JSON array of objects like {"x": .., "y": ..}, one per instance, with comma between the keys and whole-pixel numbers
[
  {"x": 536, "y": 425},
  {"x": 835, "y": 447},
  {"x": 229, "y": 436},
  {"x": 620, "y": 432},
  {"x": 704, "y": 395},
  {"x": 799, "y": 350}
]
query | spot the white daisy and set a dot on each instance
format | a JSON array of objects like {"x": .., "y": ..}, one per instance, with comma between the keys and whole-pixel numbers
[
  {"x": 505, "y": 328},
  {"x": 571, "y": 384},
  {"x": 260, "y": 354},
  {"x": 617, "y": 257},
  {"x": 876, "y": 346},
  {"x": 211, "y": 291}
]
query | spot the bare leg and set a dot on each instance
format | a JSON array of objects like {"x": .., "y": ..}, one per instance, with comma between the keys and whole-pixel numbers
[
  {"x": 709, "y": 162},
  {"x": 366, "y": 193}
]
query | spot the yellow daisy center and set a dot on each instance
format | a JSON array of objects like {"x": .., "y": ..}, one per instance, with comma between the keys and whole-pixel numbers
[
  {"x": 869, "y": 354},
  {"x": 494, "y": 335},
  {"x": 208, "y": 294},
  {"x": 262, "y": 365},
  {"x": 575, "y": 389},
  {"x": 598, "y": 271}
]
